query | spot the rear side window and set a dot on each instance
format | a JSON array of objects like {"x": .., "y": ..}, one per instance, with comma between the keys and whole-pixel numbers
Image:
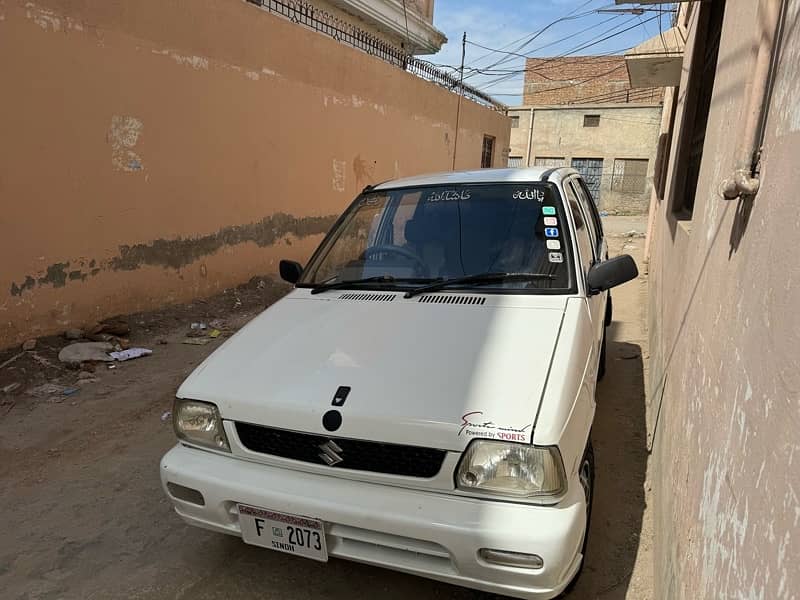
[
  {"x": 581, "y": 230},
  {"x": 590, "y": 209}
]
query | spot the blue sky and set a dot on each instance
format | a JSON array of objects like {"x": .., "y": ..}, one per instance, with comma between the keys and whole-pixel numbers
[{"x": 506, "y": 23}]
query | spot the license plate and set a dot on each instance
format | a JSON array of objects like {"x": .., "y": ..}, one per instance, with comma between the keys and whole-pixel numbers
[{"x": 291, "y": 534}]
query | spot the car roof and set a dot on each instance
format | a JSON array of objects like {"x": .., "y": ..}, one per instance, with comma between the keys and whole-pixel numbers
[{"x": 508, "y": 175}]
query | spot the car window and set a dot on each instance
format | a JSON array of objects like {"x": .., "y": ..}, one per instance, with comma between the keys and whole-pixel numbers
[
  {"x": 591, "y": 208},
  {"x": 449, "y": 232},
  {"x": 581, "y": 230},
  {"x": 587, "y": 219}
]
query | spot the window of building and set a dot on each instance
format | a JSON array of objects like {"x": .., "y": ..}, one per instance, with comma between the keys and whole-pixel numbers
[
  {"x": 591, "y": 120},
  {"x": 514, "y": 161},
  {"x": 487, "y": 154},
  {"x": 515, "y": 122},
  {"x": 549, "y": 161},
  {"x": 630, "y": 175},
  {"x": 698, "y": 104}
]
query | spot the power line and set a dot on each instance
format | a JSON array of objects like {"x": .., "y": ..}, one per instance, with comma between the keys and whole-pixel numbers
[
  {"x": 531, "y": 37},
  {"x": 584, "y": 46}
]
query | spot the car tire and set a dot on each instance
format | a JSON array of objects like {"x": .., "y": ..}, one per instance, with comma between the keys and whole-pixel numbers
[
  {"x": 586, "y": 476},
  {"x": 601, "y": 368}
]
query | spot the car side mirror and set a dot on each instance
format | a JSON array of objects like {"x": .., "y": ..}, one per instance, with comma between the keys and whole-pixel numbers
[
  {"x": 290, "y": 270},
  {"x": 611, "y": 273}
]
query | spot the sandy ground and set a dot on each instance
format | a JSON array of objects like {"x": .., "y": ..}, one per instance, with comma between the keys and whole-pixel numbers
[{"x": 84, "y": 515}]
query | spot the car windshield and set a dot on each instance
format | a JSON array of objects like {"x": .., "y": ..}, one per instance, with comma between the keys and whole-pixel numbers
[{"x": 406, "y": 237}]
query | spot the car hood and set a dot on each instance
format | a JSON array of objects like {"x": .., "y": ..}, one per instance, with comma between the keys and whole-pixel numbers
[{"x": 420, "y": 373}]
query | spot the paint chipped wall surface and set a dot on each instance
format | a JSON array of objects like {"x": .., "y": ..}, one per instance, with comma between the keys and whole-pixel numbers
[
  {"x": 145, "y": 162},
  {"x": 725, "y": 333}
]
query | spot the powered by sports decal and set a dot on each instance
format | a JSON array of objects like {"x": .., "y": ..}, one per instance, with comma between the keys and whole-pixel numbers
[{"x": 474, "y": 424}]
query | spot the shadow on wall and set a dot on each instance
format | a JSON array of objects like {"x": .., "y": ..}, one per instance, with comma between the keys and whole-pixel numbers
[{"x": 619, "y": 437}]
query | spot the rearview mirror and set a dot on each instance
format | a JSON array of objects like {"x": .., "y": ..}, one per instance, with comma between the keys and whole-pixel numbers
[
  {"x": 290, "y": 271},
  {"x": 611, "y": 273}
]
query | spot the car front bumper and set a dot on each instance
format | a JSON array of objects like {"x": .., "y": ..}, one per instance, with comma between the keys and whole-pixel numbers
[{"x": 430, "y": 534}]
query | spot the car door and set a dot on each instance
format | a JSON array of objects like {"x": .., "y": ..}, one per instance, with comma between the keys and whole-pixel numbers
[
  {"x": 590, "y": 248},
  {"x": 593, "y": 215}
]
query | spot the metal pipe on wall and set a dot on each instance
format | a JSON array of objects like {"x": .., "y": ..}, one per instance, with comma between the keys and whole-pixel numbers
[{"x": 743, "y": 181}]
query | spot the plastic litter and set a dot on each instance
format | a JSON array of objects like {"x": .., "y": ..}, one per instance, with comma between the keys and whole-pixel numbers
[
  {"x": 86, "y": 352},
  {"x": 166, "y": 416},
  {"x": 10, "y": 387},
  {"x": 214, "y": 333},
  {"x": 197, "y": 341},
  {"x": 47, "y": 389},
  {"x": 130, "y": 353},
  {"x": 198, "y": 326}
]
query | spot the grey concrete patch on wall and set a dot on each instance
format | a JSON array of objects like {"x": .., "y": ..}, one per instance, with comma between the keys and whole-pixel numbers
[{"x": 180, "y": 252}]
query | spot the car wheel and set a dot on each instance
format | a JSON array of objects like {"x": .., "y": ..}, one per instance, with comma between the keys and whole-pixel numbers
[
  {"x": 601, "y": 368},
  {"x": 586, "y": 477}
]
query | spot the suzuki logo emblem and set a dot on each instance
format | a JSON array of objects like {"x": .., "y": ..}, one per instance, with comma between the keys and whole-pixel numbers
[{"x": 330, "y": 453}]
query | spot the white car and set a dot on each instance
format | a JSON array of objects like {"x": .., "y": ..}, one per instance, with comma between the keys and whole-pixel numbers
[{"x": 422, "y": 400}]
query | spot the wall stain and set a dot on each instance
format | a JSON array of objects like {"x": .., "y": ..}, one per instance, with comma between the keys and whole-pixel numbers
[{"x": 180, "y": 252}]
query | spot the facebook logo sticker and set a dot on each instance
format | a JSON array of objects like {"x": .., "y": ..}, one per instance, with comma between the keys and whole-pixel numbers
[{"x": 551, "y": 231}]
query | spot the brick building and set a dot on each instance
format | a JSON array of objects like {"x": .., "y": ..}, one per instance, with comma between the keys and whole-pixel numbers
[
  {"x": 581, "y": 111},
  {"x": 576, "y": 79}
]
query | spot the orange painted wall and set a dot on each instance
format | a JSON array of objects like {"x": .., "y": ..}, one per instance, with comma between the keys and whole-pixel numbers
[{"x": 156, "y": 151}]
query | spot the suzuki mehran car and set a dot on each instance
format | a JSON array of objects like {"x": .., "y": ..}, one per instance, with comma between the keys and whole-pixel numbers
[{"x": 422, "y": 400}]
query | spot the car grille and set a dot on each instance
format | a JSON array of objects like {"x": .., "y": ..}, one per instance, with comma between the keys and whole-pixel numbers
[{"x": 392, "y": 459}]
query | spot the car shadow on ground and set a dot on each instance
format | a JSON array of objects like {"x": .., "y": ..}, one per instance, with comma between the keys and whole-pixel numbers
[{"x": 620, "y": 447}]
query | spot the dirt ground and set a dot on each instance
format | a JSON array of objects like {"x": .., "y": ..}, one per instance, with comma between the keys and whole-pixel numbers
[{"x": 84, "y": 515}]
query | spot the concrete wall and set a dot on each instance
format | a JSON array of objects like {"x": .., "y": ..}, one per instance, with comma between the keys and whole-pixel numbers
[
  {"x": 725, "y": 332},
  {"x": 625, "y": 132},
  {"x": 156, "y": 151}
]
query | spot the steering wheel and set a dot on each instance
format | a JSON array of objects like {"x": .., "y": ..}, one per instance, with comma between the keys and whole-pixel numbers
[{"x": 398, "y": 251}]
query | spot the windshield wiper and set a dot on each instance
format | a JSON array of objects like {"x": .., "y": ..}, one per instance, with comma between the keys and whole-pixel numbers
[
  {"x": 479, "y": 279},
  {"x": 377, "y": 279}
]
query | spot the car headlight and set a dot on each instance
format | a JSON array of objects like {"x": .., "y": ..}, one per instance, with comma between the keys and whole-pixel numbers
[
  {"x": 199, "y": 423},
  {"x": 508, "y": 469}
]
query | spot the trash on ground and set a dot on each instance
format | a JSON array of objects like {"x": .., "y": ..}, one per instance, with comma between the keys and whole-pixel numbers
[
  {"x": 47, "y": 389},
  {"x": 29, "y": 345},
  {"x": 603, "y": 213},
  {"x": 130, "y": 353},
  {"x": 218, "y": 324},
  {"x": 12, "y": 359},
  {"x": 10, "y": 387},
  {"x": 70, "y": 391},
  {"x": 166, "y": 416},
  {"x": 214, "y": 333},
  {"x": 85, "y": 352},
  {"x": 41, "y": 360},
  {"x": 112, "y": 366},
  {"x": 117, "y": 327},
  {"x": 633, "y": 233},
  {"x": 197, "y": 341},
  {"x": 199, "y": 326}
]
